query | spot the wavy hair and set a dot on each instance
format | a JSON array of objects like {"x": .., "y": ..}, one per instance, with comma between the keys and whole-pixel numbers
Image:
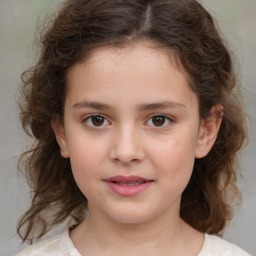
[{"x": 186, "y": 29}]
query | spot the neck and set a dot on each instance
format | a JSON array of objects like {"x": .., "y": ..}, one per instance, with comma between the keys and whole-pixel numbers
[{"x": 160, "y": 236}]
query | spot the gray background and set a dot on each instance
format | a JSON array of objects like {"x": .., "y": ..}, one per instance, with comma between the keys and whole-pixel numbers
[{"x": 18, "y": 22}]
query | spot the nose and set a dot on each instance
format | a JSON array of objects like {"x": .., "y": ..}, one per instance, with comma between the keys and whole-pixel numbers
[{"x": 127, "y": 146}]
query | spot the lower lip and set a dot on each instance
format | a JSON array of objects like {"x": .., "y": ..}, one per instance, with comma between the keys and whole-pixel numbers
[{"x": 128, "y": 190}]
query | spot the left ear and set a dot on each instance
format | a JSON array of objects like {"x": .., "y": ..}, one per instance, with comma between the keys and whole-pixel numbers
[{"x": 208, "y": 131}]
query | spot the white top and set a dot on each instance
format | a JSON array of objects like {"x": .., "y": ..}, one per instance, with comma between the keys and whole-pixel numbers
[{"x": 62, "y": 245}]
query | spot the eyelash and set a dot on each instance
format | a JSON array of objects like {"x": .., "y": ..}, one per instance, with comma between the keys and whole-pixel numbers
[
  {"x": 89, "y": 122},
  {"x": 166, "y": 119}
]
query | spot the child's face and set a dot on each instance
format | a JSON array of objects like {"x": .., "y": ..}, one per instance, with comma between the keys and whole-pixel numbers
[{"x": 129, "y": 112}]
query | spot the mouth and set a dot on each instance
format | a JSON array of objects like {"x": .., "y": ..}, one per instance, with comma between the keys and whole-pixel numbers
[
  {"x": 128, "y": 185},
  {"x": 135, "y": 183}
]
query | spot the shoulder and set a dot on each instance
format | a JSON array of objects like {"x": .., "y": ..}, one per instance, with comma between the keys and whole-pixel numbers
[
  {"x": 54, "y": 246},
  {"x": 214, "y": 245}
]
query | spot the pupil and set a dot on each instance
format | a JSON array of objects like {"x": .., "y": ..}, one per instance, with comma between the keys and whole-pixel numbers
[
  {"x": 158, "y": 120},
  {"x": 97, "y": 120}
]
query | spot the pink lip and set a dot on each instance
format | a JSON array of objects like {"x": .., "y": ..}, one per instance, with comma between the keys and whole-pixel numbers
[{"x": 128, "y": 185}]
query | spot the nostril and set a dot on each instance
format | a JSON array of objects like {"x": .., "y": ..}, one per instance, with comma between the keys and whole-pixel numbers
[{"x": 126, "y": 160}]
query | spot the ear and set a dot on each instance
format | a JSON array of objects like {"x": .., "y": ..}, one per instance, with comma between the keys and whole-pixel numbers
[
  {"x": 208, "y": 131},
  {"x": 59, "y": 131}
]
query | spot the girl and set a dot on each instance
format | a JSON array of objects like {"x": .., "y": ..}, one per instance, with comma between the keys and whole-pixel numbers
[{"x": 137, "y": 123}]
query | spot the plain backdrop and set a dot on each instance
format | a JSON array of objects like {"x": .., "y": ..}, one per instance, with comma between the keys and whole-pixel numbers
[{"x": 19, "y": 20}]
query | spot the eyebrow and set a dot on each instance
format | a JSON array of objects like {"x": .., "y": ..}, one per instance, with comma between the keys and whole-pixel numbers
[
  {"x": 140, "y": 107},
  {"x": 160, "y": 105},
  {"x": 91, "y": 104}
]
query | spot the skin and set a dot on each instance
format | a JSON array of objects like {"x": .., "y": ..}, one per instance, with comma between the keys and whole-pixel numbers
[{"x": 127, "y": 87}]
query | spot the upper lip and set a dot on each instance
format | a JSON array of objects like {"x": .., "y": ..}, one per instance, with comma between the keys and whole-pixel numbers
[{"x": 126, "y": 179}]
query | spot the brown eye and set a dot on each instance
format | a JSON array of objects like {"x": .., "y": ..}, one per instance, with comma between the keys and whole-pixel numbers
[
  {"x": 96, "y": 121},
  {"x": 159, "y": 121}
]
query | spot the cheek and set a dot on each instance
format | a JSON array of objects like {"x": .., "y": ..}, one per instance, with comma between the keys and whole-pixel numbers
[
  {"x": 174, "y": 159},
  {"x": 85, "y": 149},
  {"x": 85, "y": 169},
  {"x": 86, "y": 160}
]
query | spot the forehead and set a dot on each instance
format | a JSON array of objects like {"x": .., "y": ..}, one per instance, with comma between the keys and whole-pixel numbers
[
  {"x": 130, "y": 55},
  {"x": 148, "y": 70}
]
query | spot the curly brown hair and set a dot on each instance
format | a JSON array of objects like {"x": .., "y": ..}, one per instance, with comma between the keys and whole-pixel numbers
[{"x": 81, "y": 26}]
